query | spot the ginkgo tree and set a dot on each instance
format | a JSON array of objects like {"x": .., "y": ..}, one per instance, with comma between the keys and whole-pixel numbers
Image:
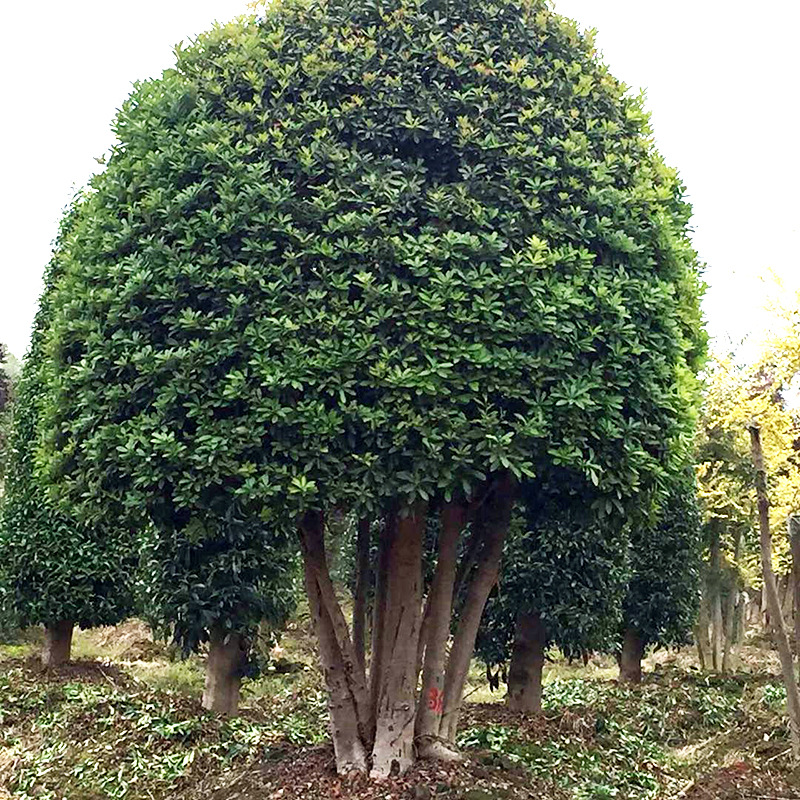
[
  {"x": 740, "y": 392},
  {"x": 392, "y": 260}
]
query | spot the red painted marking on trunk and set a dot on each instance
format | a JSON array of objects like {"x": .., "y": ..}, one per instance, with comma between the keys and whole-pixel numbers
[{"x": 436, "y": 700}]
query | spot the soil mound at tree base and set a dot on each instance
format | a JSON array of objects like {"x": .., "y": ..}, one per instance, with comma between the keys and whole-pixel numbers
[
  {"x": 738, "y": 781},
  {"x": 311, "y": 775}
]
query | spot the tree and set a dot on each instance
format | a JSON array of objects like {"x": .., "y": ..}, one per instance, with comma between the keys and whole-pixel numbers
[
  {"x": 9, "y": 372},
  {"x": 564, "y": 577},
  {"x": 54, "y": 570},
  {"x": 778, "y": 628},
  {"x": 387, "y": 260},
  {"x": 739, "y": 392},
  {"x": 661, "y": 603}
]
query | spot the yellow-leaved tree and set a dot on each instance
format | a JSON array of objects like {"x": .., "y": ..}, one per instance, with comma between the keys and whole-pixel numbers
[{"x": 763, "y": 391}]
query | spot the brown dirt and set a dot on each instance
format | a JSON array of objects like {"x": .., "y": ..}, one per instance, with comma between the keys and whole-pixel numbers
[
  {"x": 81, "y": 670},
  {"x": 129, "y": 641},
  {"x": 311, "y": 775},
  {"x": 740, "y": 781}
]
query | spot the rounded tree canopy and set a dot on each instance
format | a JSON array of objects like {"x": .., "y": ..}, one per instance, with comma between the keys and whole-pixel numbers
[
  {"x": 664, "y": 590},
  {"x": 568, "y": 568},
  {"x": 52, "y": 566},
  {"x": 352, "y": 250}
]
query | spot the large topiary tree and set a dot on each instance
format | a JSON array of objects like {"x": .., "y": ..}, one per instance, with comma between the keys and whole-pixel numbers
[
  {"x": 564, "y": 577},
  {"x": 54, "y": 570},
  {"x": 661, "y": 603},
  {"x": 390, "y": 259}
]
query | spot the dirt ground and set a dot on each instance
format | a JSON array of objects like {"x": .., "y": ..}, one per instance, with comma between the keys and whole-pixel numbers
[{"x": 124, "y": 721}]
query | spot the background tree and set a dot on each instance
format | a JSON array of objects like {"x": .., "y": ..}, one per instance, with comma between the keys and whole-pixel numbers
[
  {"x": 221, "y": 590},
  {"x": 661, "y": 603},
  {"x": 54, "y": 570},
  {"x": 9, "y": 373},
  {"x": 387, "y": 262},
  {"x": 740, "y": 391},
  {"x": 563, "y": 580}
]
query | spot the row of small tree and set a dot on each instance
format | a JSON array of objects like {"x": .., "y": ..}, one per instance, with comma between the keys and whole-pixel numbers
[{"x": 392, "y": 261}]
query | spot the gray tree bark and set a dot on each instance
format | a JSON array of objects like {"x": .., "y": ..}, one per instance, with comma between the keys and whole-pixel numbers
[
  {"x": 348, "y": 701},
  {"x": 527, "y": 662},
  {"x": 393, "y": 750},
  {"x": 57, "y": 643},
  {"x": 771, "y": 591},
  {"x": 794, "y": 541},
  {"x": 492, "y": 520},
  {"x": 226, "y": 658},
  {"x": 717, "y": 634},
  {"x": 436, "y": 631},
  {"x": 362, "y": 586},
  {"x": 731, "y": 605},
  {"x": 701, "y": 631}
]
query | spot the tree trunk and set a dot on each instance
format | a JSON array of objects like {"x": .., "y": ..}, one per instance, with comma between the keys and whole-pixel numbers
[
  {"x": 730, "y": 612},
  {"x": 57, "y": 643},
  {"x": 788, "y": 599},
  {"x": 630, "y": 659},
  {"x": 731, "y": 605},
  {"x": 701, "y": 631},
  {"x": 226, "y": 658},
  {"x": 717, "y": 636},
  {"x": 362, "y": 586},
  {"x": 347, "y": 692},
  {"x": 739, "y": 617},
  {"x": 493, "y": 518},
  {"x": 393, "y": 751},
  {"x": 379, "y": 615},
  {"x": 436, "y": 630},
  {"x": 779, "y": 631},
  {"x": 527, "y": 661},
  {"x": 794, "y": 541}
]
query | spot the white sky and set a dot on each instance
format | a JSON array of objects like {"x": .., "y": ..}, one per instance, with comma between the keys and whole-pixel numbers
[{"x": 721, "y": 81}]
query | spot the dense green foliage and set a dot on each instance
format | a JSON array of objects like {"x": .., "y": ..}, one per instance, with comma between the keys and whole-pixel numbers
[
  {"x": 236, "y": 579},
  {"x": 664, "y": 590},
  {"x": 349, "y": 252},
  {"x": 53, "y": 567},
  {"x": 350, "y": 227},
  {"x": 569, "y": 568}
]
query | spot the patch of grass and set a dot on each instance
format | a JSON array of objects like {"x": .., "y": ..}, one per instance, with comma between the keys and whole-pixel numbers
[
  {"x": 184, "y": 676},
  {"x": 100, "y": 740},
  {"x": 600, "y": 739}
]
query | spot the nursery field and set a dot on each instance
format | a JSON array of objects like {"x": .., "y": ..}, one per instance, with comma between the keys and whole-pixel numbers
[{"x": 124, "y": 721}]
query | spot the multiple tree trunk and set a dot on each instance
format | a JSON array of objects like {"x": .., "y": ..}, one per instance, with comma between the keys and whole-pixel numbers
[
  {"x": 435, "y": 633},
  {"x": 720, "y": 617},
  {"x": 379, "y": 719}
]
